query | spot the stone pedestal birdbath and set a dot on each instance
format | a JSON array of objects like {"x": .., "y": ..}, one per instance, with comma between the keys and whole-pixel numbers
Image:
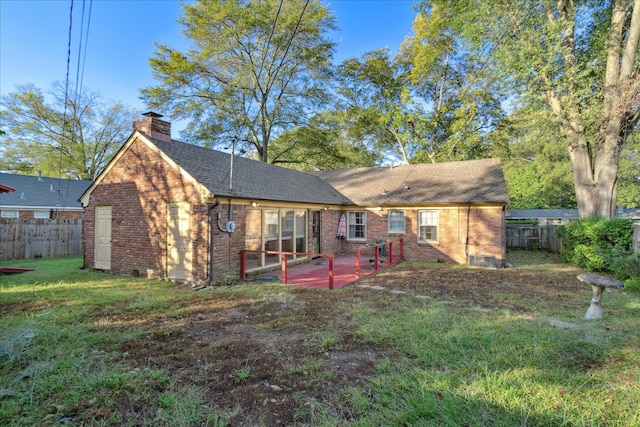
[{"x": 598, "y": 284}]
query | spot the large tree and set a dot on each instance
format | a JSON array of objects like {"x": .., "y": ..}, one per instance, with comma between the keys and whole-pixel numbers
[
  {"x": 321, "y": 145},
  {"x": 581, "y": 58},
  {"x": 536, "y": 167},
  {"x": 376, "y": 106},
  {"x": 414, "y": 108},
  {"x": 74, "y": 141},
  {"x": 257, "y": 68},
  {"x": 462, "y": 100}
]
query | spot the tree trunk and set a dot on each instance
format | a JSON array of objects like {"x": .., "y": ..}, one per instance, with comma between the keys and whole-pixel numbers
[{"x": 595, "y": 165}]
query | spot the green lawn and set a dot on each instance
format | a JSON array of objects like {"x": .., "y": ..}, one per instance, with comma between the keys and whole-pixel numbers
[{"x": 86, "y": 348}]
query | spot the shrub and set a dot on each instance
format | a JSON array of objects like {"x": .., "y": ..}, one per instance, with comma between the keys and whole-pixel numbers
[
  {"x": 632, "y": 285},
  {"x": 627, "y": 267},
  {"x": 597, "y": 244}
]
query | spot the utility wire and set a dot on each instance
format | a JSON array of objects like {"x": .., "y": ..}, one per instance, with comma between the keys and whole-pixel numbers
[
  {"x": 66, "y": 97},
  {"x": 82, "y": 54},
  {"x": 264, "y": 57},
  {"x": 78, "y": 90},
  {"x": 284, "y": 57}
]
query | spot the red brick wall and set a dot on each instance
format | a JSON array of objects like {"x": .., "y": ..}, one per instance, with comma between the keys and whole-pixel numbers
[
  {"x": 486, "y": 234},
  {"x": 227, "y": 246},
  {"x": 138, "y": 188}
]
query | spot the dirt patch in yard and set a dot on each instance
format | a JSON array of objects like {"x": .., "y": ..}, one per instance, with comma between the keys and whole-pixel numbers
[{"x": 276, "y": 360}]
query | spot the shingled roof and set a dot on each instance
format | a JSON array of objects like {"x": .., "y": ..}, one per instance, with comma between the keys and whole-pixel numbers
[
  {"x": 464, "y": 182},
  {"x": 41, "y": 192},
  {"x": 251, "y": 179}
]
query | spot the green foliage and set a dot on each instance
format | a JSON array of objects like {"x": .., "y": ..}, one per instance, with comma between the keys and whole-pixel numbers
[
  {"x": 629, "y": 173},
  {"x": 255, "y": 70},
  {"x": 424, "y": 105},
  {"x": 319, "y": 147},
  {"x": 597, "y": 244},
  {"x": 572, "y": 61},
  {"x": 75, "y": 140},
  {"x": 627, "y": 267},
  {"x": 632, "y": 285},
  {"x": 535, "y": 160}
]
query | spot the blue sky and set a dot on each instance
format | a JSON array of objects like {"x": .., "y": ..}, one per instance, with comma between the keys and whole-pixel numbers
[{"x": 34, "y": 37}]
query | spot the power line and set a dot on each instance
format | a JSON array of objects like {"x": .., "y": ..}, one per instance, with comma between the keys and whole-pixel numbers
[
  {"x": 66, "y": 96},
  {"x": 70, "y": 122},
  {"x": 264, "y": 57},
  {"x": 81, "y": 54},
  {"x": 284, "y": 56}
]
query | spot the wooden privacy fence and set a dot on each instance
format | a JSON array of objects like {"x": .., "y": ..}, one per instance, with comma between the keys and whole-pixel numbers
[
  {"x": 39, "y": 238},
  {"x": 527, "y": 236}
]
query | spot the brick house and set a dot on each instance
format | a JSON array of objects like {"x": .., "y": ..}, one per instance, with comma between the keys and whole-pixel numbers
[
  {"x": 166, "y": 209},
  {"x": 27, "y": 197}
]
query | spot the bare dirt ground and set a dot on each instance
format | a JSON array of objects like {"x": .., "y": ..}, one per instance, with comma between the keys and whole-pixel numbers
[{"x": 272, "y": 362}]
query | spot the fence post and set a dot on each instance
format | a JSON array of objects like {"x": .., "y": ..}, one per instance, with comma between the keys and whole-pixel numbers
[
  {"x": 357, "y": 262},
  {"x": 636, "y": 237},
  {"x": 390, "y": 253}
]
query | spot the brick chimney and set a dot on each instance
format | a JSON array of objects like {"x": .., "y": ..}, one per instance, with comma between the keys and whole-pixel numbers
[{"x": 154, "y": 127}]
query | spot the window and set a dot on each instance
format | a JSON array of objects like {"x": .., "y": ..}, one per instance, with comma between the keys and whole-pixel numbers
[
  {"x": 357, "y": 225},
  {"x": 273, "y": 229},
  {"x": 41, "y": 214},
  {"x": 287, "y": 221},
  {"x": 10, "y": 214},
  {"x": 271, "y": 222},
  {"x": 427, "y": 226},
  {"x": 396, "y": 221}
]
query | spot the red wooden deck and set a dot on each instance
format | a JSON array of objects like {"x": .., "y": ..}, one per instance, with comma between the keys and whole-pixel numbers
[{"x": 315, "y": 273}]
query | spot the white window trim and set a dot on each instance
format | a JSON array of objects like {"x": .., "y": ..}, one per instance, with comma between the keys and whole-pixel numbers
[
  {"x": 437, "y": 225},
  {"x": 404, "y": 222},
  {"x": 10, "y": 213},
  {"x": 364, "y": 225},
  {"x": 41, "y": 214}
]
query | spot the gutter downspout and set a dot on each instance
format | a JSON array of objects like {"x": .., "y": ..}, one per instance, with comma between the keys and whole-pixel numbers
[{"x": 210, "y": 208}]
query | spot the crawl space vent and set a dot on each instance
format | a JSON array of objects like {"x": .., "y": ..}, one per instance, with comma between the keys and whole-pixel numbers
[{"x": 482, "y": 261}]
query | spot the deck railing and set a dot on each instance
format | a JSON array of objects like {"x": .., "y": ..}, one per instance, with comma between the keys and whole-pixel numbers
[
  {"x": 283, "y": 262},
  {"x": 378, "y": 249}
]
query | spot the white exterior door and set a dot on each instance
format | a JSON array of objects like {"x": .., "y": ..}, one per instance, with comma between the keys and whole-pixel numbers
[
  {"x": 102, "y": 252},
  {"x": 179, "y": 241}
]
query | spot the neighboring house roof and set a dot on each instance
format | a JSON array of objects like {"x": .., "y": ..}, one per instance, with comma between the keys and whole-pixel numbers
[
  {"x": 472, "y": 181},
  {"x": 551, "y": 214},
  {"x": 34, "y": 192},
  {"x": 628, "y": 213},
  {"x": 541, "y": 214}
]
